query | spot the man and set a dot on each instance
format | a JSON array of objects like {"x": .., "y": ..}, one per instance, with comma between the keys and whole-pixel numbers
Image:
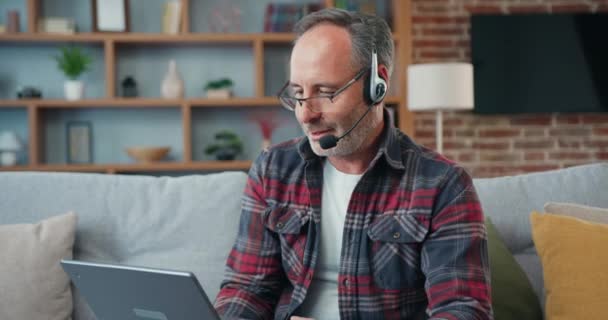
[{"x": 363, "y": 224}]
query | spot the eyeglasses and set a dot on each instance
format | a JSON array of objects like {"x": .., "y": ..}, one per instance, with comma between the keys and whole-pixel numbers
[{"x": 289, "y": 99}]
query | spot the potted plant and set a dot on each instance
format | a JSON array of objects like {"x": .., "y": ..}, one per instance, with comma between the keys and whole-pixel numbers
[
  {"x": 228, "y": 145},
  {"x": 73, "y": 61},
  {"x": 219, "y": 89}
]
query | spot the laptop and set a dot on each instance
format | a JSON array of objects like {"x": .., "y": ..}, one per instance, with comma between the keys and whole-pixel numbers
[{"x": 116, "y": 292}]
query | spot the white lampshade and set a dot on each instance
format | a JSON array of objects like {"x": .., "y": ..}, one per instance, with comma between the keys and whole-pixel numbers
[
  {"x": 440, "y": 86},
  {"x": 9, "y": 141}
]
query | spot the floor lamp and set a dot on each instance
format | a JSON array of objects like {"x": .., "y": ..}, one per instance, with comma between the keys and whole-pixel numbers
[{"x": 439, "y": 87}]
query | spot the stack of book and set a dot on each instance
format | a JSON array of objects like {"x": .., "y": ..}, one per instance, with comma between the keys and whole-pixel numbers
[
  {"x": 172, "y": 15},
  {"x": 281, "y": 17},
  {"x": 57, "y": 25}
]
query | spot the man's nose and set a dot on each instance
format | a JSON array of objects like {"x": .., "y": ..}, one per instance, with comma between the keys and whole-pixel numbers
[{"x": 307, "y": 111}]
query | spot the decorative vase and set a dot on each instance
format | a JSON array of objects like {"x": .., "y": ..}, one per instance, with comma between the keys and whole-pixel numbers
[
  {"x": 173, "y": 85},
  {"x": 73, "y": 89},
  {"x": 8, "y": 158}
]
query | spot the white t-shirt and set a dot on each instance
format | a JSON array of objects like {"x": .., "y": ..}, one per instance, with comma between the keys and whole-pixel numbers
[{"x": 322, "y": 298}]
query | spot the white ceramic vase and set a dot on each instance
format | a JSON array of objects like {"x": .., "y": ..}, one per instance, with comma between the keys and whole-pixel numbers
[
  {"x": 8, "y": 158},
  {"x": 173, "y": 85},
  {"x": 73, "y": 89}
]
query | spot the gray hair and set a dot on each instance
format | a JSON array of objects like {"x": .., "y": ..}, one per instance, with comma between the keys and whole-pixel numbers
[{"x": 366, "y": 31}]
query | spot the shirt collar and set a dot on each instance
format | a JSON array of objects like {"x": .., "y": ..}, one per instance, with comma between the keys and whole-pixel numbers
[{"x": 389, "y": 145}]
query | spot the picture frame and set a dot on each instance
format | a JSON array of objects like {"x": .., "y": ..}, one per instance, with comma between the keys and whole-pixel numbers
[
  {"x": 110, "y": 15},
  {"x": 79, "y": 142}
]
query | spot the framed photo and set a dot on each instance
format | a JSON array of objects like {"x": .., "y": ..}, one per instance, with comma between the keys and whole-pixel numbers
[
  {"x": 79, "y": 141},
  {"x": 110, "y": 15}
]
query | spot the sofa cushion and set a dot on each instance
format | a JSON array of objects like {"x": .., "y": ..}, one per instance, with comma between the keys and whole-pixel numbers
[
  {"x": 32, "y": 283},
  {"x": 574, "y": 258},
  {"x": 512, "y": 294},
  {"x": 592, "y": 214}
]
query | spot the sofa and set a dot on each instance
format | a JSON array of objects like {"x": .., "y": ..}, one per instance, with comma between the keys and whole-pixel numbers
[{"x": 190, "y": 222}]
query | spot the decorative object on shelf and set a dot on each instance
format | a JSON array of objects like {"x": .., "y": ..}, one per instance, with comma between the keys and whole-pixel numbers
[
  {"x": 267, "y": 122},
  {"x": 129, "y": 87},
  {"x": 12, "y": 21},
  {"x": 228, "y": 145},
  {"x": 2, "y": 28},
  {"x": 281, "y": 17},
  {"x": 173, "y": 85},
  {"x": 29, "y": 92},
  {"x": 219, "y": 89},
  {"x": 147, "y": 154},
  {"x": 172, "y": 17},
  {"x": 10, "y": 146},
  {"x": 225, "y": 17},
  {"x": 440, "y": 86},
  {"x": 79, "y": 140},
  {"x": 110, "y": 15},
  {"x": 73, "y": 61},
  {"x": 57, "y": 25}
]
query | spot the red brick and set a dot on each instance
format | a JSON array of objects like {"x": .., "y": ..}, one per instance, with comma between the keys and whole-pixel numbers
[
  {"x": 442, "y": 31},
  {"x": 538, "y": 168},
  {"x": 569, "y": 155},
  {"x": 595, "y": 119},
  {"x": 439, "y": 54},
  {"x": 570, "y": 132},
  {"x": 500, "y": 157},
  {"x": 602, "y": 8},
  {"x": 424, "y": 122},
  {"x": 490, "y": 145},
  {"x": 515, "y": 8},
  {"x": 569, "y": 144},
  {"x": 467, "y": 157},
  {"x": 596, "y": 144},
  {"x": 480, "y": 8},
  {"x": 602, "y": 155},
  {"x": 536, "y": 120},
  {"x": 564, "y": 7},
  {"x": 449, "y": 145},
  {"x": 534, "y": 132},
  {"x": 534, "y": 156},
  {"x": 434, "y": 8},
  {"x": 464, "y": 133},
  {"x": 452, "y": 122},
  {"x": 499, "y": 133},
  {"x": 439, "y": 20},
  {"x": 538, "y": 144},
  {"x": 434, "y": 43},
  {"x": 424, "y": 134},
  {"x": 600, "y": 131},
  {"x": 568, "y": 119}
]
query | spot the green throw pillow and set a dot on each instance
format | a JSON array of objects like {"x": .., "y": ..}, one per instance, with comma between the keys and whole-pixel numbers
[{"x": 512, "y": 293}]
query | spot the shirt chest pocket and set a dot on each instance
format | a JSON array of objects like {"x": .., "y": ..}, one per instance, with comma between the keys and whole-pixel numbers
[
  {"x": 289, "y": 226},
  {"x": 395, "y": 245}
]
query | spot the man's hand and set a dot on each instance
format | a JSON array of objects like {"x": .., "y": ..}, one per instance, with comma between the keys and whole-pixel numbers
[{"x": 300, "y": 318}]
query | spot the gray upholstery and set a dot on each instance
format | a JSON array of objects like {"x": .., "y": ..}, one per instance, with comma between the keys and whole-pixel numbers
[
  {"x": 190, "y": 223},
  {"x": 508, "y": 201},
  {"x": 186, "y": 223}
]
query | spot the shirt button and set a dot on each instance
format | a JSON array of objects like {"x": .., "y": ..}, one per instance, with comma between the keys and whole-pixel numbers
[
  {"x": 280, "y": 225},
  {"x": 396, "y": 235},
  {"x": 345, "y": 282}
]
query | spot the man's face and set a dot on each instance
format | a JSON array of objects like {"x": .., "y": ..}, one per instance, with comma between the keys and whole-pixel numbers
[{"x": 321, "y": 64}]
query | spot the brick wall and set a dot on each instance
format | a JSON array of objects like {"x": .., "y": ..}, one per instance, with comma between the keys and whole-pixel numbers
[{"x": 501, "y": 145}]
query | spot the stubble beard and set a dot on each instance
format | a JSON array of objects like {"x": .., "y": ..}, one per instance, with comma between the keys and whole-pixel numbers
[{"x": 353, "y": 141}]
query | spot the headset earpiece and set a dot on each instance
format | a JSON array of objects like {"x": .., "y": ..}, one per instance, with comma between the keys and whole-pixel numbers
[{"x": 375, "y": 86}]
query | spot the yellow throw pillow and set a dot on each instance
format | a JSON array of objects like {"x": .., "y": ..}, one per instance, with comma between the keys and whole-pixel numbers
[{"x": 574, "y": 255}]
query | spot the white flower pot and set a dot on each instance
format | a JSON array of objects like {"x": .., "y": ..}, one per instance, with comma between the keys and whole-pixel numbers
[
  {"x": 8, "y": 158},
  {"x": 73, "y": 89},
  {"x": 224, "y": 93}
]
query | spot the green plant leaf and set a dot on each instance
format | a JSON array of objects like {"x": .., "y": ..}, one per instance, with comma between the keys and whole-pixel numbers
[{"x": 73, "y": 61}]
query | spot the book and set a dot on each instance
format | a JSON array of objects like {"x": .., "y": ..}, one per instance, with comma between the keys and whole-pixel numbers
[{"x": 172, "y": 15}]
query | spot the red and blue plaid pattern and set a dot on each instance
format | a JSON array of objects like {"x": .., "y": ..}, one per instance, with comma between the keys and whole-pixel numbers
[{"x": 414, "y": 244}]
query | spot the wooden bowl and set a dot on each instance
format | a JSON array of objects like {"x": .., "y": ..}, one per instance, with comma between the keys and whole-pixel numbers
[{"x": 147, "y": 154}]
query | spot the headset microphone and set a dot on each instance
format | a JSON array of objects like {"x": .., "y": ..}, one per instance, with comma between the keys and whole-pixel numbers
[{"x": 330, "y": 141}]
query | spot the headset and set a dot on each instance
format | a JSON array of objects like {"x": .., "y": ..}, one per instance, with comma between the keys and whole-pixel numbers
[{"x": 375, "y": 87}]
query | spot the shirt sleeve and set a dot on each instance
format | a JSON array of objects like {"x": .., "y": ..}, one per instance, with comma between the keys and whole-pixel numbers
[
  {"x": 254, "y": 278},
  {"x": 455, "y": 255}
]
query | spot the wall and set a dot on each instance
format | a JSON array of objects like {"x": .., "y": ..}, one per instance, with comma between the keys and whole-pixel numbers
[{"x": 501, "y": 145}]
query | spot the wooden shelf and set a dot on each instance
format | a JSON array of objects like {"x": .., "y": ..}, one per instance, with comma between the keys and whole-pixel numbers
[{"x": 137, "y": 167}]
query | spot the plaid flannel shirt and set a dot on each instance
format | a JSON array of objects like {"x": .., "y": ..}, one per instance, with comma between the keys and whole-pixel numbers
[{"x": 414, "y": 243}]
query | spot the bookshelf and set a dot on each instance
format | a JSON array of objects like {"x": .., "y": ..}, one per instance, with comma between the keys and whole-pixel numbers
[{"x": 259, "y": 45}]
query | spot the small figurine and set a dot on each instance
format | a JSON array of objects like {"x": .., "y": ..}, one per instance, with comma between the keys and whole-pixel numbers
[
  {"x": 129, "y": 87},
  {"x": 29, "y": 92}
]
